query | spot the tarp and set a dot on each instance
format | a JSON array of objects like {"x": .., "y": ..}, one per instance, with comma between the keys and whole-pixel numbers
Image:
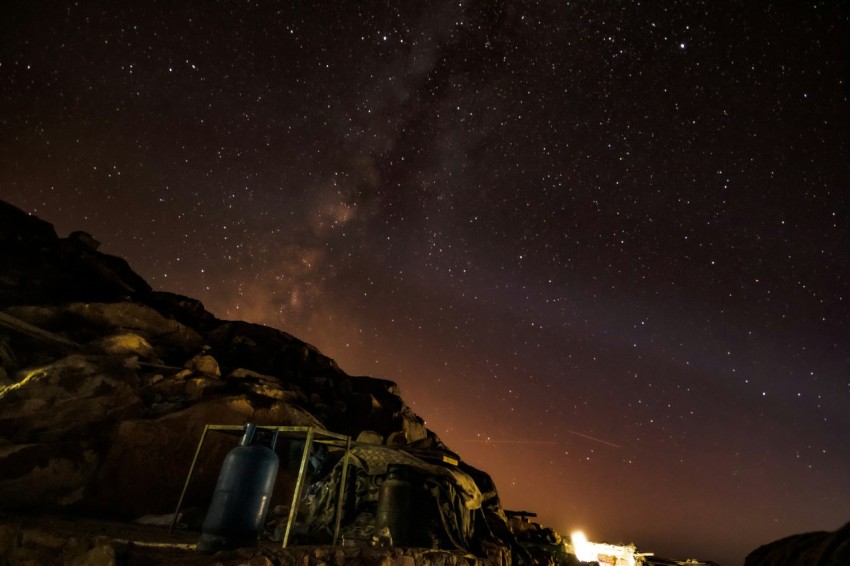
[{"x": 450, "y": 510}]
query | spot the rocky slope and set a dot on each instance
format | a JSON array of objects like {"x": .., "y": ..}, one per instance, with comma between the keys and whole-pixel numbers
[
  {"x": 106, "y": 385},
  {"x": 819, "y": 548}
]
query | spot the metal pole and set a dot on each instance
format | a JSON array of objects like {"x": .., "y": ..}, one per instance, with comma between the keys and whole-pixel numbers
[
  {"x": 188, "y": 478},
  {"x": 296, "y": 495},
  {"x": 341, "y": 494}
]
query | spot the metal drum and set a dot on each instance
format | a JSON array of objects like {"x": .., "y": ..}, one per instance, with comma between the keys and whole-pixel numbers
[
  {"x": 393, "y": 511},
  {"x": 240, "y": 503}
]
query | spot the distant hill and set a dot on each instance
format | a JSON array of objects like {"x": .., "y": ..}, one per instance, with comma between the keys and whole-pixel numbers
[{"x": 816, "y": 549}]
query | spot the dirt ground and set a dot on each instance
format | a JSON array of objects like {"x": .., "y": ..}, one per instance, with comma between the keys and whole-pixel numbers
[{"x": 73, "y": 541}]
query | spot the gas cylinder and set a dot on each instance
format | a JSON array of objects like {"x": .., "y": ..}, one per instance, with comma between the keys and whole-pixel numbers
[
  {"x": 393, "y": 512},
  {"x": 240, "y": 503}
]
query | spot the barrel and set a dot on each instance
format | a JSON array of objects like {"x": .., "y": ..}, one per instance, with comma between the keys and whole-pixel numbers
[
  {"x": 393, "y": 512},
  {"x": 240, "y": 502}
]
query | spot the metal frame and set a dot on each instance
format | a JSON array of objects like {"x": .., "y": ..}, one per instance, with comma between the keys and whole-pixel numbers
[{"x": 309, "y": 436}]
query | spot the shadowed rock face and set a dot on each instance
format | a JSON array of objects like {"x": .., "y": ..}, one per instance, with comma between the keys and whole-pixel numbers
[
  {"x": 40, "y": 267},
  {"x": 103, "y": 412},
  {"x": 817, "y": 549}
]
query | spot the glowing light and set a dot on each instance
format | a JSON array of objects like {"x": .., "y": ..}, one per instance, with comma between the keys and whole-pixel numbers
[
  {"x": 582, "y": 548},
  {"x": 604, "y": 554}
]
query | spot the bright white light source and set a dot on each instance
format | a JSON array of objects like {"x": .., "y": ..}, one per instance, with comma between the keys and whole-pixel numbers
[
  {"x": 604, "y": 554},
  {"x": 582, "y": 548}
]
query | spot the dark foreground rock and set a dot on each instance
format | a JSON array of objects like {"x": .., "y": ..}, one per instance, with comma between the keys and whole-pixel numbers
[
  {"x": 106, "y": 387},
  {"x": 816, "y": 549},
  {"x": 85, "y": 542}
]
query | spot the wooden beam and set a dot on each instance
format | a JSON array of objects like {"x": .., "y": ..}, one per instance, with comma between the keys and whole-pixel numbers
[{"x": 18, "y": 325}]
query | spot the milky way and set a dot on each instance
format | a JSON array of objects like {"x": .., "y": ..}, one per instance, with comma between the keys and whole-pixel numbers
[{"x": 602, "y": 247}]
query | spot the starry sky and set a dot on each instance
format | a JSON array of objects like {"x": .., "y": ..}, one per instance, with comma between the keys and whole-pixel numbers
[{"x": 601, "y": 246}]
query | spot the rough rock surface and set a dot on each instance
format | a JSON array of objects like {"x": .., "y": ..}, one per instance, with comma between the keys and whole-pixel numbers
[
  {"x": 819, "y": 548},
  {"x": 83, "y": 542},
  {"x": 106, "y": 385}
]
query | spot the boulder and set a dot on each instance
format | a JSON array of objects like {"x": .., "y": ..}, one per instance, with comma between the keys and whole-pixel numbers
[{"x": 821, "y": 548}]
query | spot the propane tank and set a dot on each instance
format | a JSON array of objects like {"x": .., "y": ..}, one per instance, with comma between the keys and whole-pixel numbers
[
  {"x": 393, "y": 512},
  {"x": 240, "y": 503}
]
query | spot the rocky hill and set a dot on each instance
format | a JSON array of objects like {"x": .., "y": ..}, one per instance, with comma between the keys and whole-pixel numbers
[
  {"x": 107, "y": 384},
  {"x": 820, "y": 548}
]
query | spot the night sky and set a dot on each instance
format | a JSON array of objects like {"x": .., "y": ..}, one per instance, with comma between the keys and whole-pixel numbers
[{"x": 602, "y": 246}]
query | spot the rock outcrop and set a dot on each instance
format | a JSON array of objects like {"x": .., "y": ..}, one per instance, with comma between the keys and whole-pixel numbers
[
  {"x": 39, "y": 267},
  {"x": 819, "y": 548},
  {"x": 85, "y": 542},
  {"x": 106, "y": 385}
]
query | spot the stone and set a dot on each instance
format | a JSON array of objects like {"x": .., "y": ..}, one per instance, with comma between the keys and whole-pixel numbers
[
  {"x": 72, "y": 393},
  {"x": 42, "y": 538},
  {"x": 205, "y": 364},
  {"x": 125, "y": 343},
  {"x": 242, "y": 373},
  {"x": 84, "y": 238},
  {"x": 198, "y": 387},
  {"x": 100, "y": 555},
  {"x": 369, "y": 437}
]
